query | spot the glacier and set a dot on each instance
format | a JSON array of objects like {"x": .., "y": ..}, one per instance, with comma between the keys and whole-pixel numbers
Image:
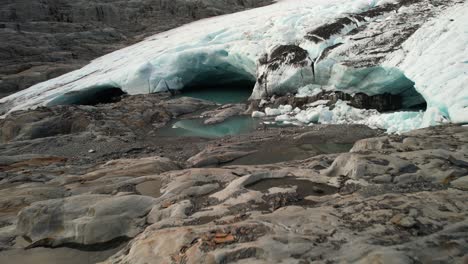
[{"x": 225, "y": 49}]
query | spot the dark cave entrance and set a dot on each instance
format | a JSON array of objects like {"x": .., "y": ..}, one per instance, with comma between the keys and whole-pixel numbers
[
  {"x": 211, "y": 77},
  {"x": 382, "y": 89},
  {"x": 91, "y": 96},
  {"x": 221, "y": 93},
  {"x": 222, "y": 83},
  {"x": 385, "y": 89},
  {"x": 409, "y": 100}
]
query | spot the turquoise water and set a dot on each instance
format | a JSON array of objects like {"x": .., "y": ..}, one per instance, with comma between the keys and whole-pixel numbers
[
  {"x": 222, "y": 95},
  {"x": 195, "y": 127},
  {"x": 235, "y": 93}
]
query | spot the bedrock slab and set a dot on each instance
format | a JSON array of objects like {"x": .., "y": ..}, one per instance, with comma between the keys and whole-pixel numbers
[{"x": 390, "y": 199}]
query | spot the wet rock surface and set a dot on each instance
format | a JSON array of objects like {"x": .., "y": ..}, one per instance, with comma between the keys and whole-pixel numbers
[
  {"x": 326, "y": 193},
  {"x": 224, "y": 112},
  {"x": 41, "y": 40}
]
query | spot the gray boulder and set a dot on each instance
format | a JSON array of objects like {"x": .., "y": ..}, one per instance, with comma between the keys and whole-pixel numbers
[{"x": 83, "y": 219}]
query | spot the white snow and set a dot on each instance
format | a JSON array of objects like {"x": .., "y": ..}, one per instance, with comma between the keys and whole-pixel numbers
[{"x": 436, "y": 59}]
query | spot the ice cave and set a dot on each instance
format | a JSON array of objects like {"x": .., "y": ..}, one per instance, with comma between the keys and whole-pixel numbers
[{"x": 91, "y": 96}]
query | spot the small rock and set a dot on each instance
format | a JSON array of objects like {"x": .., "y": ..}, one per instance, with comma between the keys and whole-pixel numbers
[
  {"x": 383, "y": 179},
  {"x": 461, "y": 183},
  {"x": 221, "y": 238},
  {"x": 91, "y": 151},
  {"x": 317, "y": 190},
  {"x": 167, "y": 204},
  {"x": 402, "y": 220}
]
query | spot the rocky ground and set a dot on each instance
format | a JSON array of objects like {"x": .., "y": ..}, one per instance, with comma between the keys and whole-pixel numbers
[
  {"x": 40, "y": 40},
  {"x": 86, "y": 184}
]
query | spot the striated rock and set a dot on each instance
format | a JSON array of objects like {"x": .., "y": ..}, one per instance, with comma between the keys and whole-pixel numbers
[
  {"x": 224, "y": 112},
  {"x": 392, "y": 199},
  {"x": 133, "y": 116},
  {"x": 39, "y": 124},
  {"x": 378, "y": 221},
  {"x": 265, "y": 149},
  {"x": 131, "y": 167},
  {"x": 349, "y": 232},
  {"x": 83, "y": 219},
  {"x": 358, "y": 166},
  {"x": 186, "y": 245},
  {"x": 461, "y": 183},
  {"x": 18, "y": 162},
  {"x": 185, "y": 105},
  {"x": 216, "y": 155},
  {"x": 15, "y": 198}
]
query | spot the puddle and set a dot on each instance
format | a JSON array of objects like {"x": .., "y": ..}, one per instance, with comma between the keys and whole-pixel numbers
[
  {"x": 55, "y": 255},
  {"x": 195, "y": 127},
  {"x": 275, "y": 152},
  {"x": 221, "y": 95},
  {"x": 150, "y": 188},
  {"x": 304, "y": 187}
]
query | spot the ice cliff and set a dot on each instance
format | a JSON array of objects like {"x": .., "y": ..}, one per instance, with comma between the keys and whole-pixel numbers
[{"x": 409, "y": 48}]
